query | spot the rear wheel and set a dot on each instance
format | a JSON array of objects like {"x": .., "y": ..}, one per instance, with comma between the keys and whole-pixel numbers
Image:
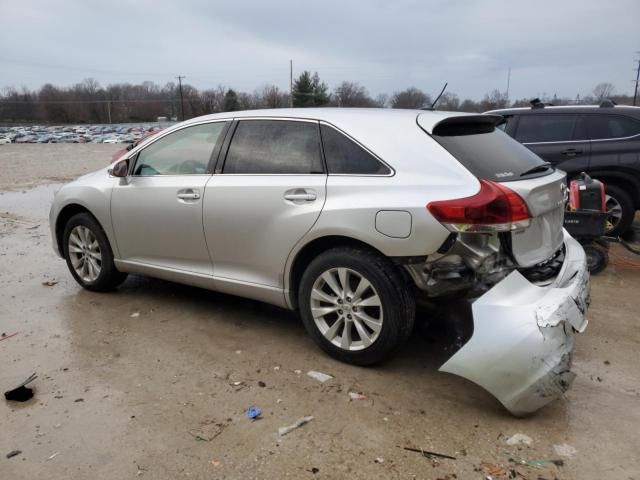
[
  {"x": 356, "y": 305},
  {"x": 88, "y": 254},
  {"x": 620, "y": 210}
]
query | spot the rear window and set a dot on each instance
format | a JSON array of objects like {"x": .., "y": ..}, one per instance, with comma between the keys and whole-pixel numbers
[
  {"x": 490, "y": 154},
  {"x": 346, "y": 157}
]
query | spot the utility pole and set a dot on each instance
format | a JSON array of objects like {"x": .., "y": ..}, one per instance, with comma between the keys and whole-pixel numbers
[
  {"x": 109, "y": 110},
  {"x": 508, "y": 82},
  {"x": 180, "y": 77},
  {"x": 635, "y": 94},
  {"x": 291, "y": 84}
]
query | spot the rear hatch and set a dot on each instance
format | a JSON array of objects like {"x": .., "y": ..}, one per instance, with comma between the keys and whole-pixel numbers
[{"x": 490, "y": 154}]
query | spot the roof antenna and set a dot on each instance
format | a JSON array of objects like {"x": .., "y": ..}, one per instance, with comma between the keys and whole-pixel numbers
[{"x": 432, "y": 107}]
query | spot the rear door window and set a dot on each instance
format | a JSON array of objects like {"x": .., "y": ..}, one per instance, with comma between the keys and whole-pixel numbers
[
  {"x": 546, "y": 128},
  {"x": 274, "y": 147},
  {"x": 344, "y": 156},
  {"x": 602, "y": 126}
]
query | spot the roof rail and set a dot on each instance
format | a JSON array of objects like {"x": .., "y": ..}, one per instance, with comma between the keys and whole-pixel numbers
[
  {"x": 607, "y": 103},
  {"x": 536, "y": 103}
]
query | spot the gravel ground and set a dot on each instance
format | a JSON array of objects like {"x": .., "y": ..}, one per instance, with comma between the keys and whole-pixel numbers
[{"x": 153, "y": 380}]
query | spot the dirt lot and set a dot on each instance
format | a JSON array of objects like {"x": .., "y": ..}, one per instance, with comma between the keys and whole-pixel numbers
[{"x": 154, "y": 380}]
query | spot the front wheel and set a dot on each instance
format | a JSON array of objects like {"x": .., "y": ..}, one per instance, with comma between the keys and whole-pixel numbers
[
  {"x": 356, "y": 305},
  {"x": 88, "y": 254}
]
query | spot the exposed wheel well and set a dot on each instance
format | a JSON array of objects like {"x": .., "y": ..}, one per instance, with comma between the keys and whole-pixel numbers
[
  {"x": 311, "y": 251},
  {"x": 63, "y": 217}
]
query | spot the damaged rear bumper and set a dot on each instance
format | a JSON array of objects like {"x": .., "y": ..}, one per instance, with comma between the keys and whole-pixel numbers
[{"x": 523, "y": 336}]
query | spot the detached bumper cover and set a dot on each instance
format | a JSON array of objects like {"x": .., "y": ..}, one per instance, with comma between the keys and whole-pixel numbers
[{"x": 523, "y": 337}]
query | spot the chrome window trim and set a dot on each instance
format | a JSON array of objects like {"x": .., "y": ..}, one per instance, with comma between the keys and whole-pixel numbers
[{"x": 587, "y": 140}]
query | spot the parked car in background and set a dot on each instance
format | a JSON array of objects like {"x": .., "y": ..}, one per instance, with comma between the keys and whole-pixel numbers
[
  {"x": 134, "y": 144},
  {"x": 4, "y": 140},
  {"x": 348, "y": 216},
  {"x": 603, "y": 141}
]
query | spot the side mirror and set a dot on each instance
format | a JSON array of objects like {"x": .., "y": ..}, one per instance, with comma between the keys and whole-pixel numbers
[{"x": 120, "y": 169}]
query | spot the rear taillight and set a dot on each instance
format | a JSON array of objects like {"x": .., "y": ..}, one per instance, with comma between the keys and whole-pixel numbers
[{"x": 495, "y": 208}]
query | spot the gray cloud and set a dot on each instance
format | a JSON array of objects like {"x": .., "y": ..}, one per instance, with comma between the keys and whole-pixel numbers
[{"x": 563, "y": 47}]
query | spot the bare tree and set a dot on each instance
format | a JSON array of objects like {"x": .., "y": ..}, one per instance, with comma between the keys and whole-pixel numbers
[
  {"x": 449, "y": 102},
  {"x": 603, "y": 90},
  {"x": 494, "y": 100},
  {"x": 410, "y": 98},
  {"x": 352, "y": 94}
]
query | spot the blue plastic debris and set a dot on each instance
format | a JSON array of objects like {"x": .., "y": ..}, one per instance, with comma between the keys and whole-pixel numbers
[{"x": 253, "y": 412}]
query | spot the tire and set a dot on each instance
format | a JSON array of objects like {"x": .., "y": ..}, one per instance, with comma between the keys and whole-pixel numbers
[
  {"x": 85, "y": 244},
  {"x": 619, "y": 200},
  {"x": 597, "y": 257},
  {"x": 386, "y": 327}
]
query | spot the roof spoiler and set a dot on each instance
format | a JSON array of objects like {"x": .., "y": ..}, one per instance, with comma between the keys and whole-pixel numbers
[{"x": 466, "y": 125}]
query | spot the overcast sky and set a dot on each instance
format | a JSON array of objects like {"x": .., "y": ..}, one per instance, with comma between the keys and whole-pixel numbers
[{"x": 552, "y": 46}]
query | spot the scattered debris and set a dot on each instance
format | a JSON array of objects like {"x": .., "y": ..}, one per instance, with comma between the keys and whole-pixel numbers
[
  {"x": 50, "y": 283},
  {"x": 215, "y": 463},
  {"x": 21, "y": 393},
  {"x": 51, "y": 457},
  {"x": 379, "y": 460},
  {"x": 607, "y": 362},
  {"x": 238, "y": 352},
  {"x": 253, "y": 413},
  {"x": 537, "y": 463},
  {"x": 237, "y": 384},
  {"x": 4, "y": 336},
  {"x": 427, "y": 453},
  {"x": 135, "y": 314},
  {"x": 356, "y": 396},
  {"x": 282, "y": 431},
  {"x": 321, "y": 377},
  {"x": 519, "y": 438},
  {"x": 14, "y": 453},
  {"x": 494, "y": 470},
  {"x": 208, "y": 430},
  {"x": 297, "y": 372},
  {"x": 565, "y": 450},
  {"x": 78, "y": 400},
  {"x": 276, "y": 368},
  {"x": 262, "y": 384}
]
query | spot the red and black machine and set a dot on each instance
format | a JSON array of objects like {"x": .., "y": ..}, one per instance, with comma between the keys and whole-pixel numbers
[{"x": 586, "y": 220}]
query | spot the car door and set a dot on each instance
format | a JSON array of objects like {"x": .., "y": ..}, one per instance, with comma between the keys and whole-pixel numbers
[
  {"x": 269, "y": 193},
  {"x": 558, "y": 138},
  {"x": 157, "y": 211},
  {"x": 615, "y": 142}
]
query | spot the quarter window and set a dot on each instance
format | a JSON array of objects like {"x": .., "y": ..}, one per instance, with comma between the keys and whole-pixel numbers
[
  {"x": 184, "y": 152},
  {"x": 545, "y": 128},
  {"x": 612, "y": 126},
  {"x": 274, "y": 147},
  {"x": 344, "y": 156}
]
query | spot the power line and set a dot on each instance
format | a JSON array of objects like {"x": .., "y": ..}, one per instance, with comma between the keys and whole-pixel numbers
[{"x": 635, "y": 93}]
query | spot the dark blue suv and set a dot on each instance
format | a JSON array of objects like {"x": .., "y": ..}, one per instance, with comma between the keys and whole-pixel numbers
[{"x": 603, "y": 141}]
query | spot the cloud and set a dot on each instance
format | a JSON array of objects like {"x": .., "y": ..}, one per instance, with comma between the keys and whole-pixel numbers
[{"x": 556, "y": 47}]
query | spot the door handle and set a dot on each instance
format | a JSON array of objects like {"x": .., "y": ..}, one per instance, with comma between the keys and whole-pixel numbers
[
  {"x": 571, "y": 152},
  {"x": 188, "y": 194},
  {"x": 300, "y": 195}
]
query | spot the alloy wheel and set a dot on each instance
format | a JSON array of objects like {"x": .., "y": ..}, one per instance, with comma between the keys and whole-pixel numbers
[
  {"x": 346, "y": 309},
  {"x": 84, "y": 253},
  {"x": 614, "y": 212}
]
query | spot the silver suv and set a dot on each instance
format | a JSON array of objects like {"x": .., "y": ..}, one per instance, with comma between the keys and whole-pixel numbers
[{"x": 349, "y": 216}]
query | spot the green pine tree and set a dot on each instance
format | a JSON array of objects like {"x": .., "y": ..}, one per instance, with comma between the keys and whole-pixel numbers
[
  {"x": 231, "y": 103},
  {"x": 309, "y": 91}
]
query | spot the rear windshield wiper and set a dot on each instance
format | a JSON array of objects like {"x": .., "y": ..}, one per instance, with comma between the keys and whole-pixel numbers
[{"x": 537, "y": 168}]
